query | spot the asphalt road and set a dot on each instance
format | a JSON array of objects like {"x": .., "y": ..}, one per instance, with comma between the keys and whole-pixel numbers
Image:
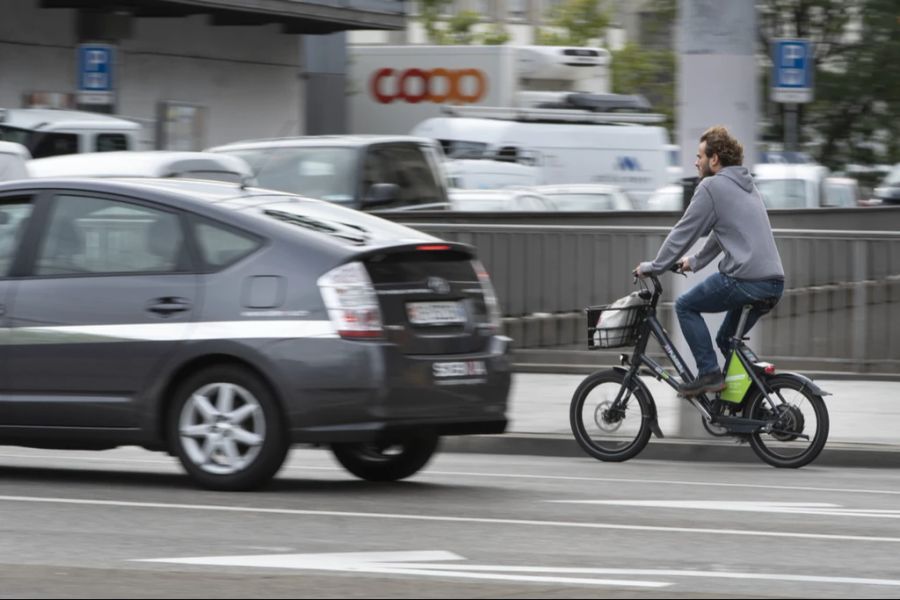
[{"x": 128, "y": 523}]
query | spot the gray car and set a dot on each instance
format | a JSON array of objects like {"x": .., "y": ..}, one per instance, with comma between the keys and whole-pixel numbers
[{"x": 224, "y": 323}]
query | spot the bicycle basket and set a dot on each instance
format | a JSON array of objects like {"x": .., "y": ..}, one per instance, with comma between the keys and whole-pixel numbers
[{"x": 612, "y": 326}]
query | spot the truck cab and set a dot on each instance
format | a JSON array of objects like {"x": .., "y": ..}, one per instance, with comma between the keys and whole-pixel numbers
[
  {"x": 50, "y": 132},
  {"x": 356, "y": 171}
]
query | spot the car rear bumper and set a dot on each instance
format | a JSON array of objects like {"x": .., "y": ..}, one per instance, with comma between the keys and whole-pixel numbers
[{"x": 387, "y": 393}]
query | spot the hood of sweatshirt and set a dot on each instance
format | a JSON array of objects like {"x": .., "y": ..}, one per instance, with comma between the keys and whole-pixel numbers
[{"x": 739, "y": 175}]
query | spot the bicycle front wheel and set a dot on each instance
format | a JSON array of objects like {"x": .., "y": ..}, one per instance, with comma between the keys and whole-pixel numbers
[
  {"x": 800, "y": 423},
  {"x": 604, "y": 429}
]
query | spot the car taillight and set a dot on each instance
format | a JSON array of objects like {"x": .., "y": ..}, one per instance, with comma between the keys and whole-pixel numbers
[
  {"x": 490, "y": 298},
  {"x": 351, "y": 301}
]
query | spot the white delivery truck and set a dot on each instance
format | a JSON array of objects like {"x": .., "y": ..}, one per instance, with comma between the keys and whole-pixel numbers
[
  {"x": 567, "y": 146},
  {"x": 395, "y": 87}
]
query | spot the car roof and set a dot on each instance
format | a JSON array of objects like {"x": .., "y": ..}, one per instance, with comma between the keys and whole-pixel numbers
[
  {"x": 47, "y": 118},
  {"x": 137, "y": 164},
  {"x": 238, "y": 205},
  {"x": 349, "y": 141}
]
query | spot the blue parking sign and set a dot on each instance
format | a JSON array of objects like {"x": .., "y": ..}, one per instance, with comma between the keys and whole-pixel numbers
[
  {"x": 95, "y": 68},
  {"x": 792, "y": 70}
]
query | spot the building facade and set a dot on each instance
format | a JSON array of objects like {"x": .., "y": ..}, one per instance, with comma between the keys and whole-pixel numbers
[{"x": 194, "y": 72}]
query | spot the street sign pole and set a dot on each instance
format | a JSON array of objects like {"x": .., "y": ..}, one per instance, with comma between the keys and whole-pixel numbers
[
  {"x": 790, "y": 127},
  {"x": 96, "y": 76},
  {"x": 792, "y": 82}
]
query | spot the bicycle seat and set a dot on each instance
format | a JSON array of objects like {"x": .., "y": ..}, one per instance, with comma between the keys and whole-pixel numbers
[{"x": 764, "y": 305}]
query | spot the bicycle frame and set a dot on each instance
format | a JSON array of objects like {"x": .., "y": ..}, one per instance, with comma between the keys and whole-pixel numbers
[{"x": 652, "y": 327}]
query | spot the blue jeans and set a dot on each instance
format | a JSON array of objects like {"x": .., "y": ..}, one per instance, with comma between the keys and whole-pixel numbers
[{"x": 720, "y": 293}]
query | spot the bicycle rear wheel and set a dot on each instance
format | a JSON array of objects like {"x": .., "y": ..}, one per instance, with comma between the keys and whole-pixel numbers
[
  {"x": 801, "y": 423},
  {"x": 606, "y": 432}
]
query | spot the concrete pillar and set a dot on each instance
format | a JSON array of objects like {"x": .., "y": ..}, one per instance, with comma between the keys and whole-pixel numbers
[
  {"x": 717, "y": 85},
  {"x": 325, "y": 75}
]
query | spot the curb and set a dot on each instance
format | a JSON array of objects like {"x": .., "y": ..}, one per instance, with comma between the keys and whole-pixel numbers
[{"x": 838, "y": 454}]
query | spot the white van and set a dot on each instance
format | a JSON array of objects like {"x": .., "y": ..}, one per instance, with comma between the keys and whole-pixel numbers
[
  {"x": 633, "y": 157},
  {"x": 158, "y": 163},
  {"x": 49, "y": 132}
]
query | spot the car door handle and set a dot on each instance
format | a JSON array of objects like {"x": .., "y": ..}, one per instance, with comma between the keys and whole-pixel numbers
[{"x": 169, "y": 306}]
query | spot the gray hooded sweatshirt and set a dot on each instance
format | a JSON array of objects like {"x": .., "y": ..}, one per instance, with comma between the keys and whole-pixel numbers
[{"x": 729, "y": 208}]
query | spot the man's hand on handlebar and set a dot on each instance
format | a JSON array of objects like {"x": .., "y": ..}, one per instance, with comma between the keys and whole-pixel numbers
[
  {"x": 684, "y": 265},
  {"x": 637, "y": 272}
]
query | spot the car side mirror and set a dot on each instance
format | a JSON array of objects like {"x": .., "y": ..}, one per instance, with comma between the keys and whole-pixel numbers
[{"x": 382, "y": 193}]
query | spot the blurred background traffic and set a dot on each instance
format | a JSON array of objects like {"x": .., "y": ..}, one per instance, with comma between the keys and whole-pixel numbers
[{"x": 556, "y": 136}]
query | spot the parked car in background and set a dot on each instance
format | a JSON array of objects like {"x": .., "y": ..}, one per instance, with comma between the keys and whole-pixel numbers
[
  {"x": 502, "y": 200},
  {"x": 792, "y": 186},
  {"x": 50, "y": 132},
  {"x": 889, "y": 190},
  {"x": 192, "y": 165},
  {"x": 224, "y": 323},
  {"x": 842, "y": 192},
  {"x": 13, "y": 158},
  {"x": 667, "y": 198},
  {"x": 361, "y": 172},
  {"x": 585, "y": 197},
  {"x": 485, "y": 174}
]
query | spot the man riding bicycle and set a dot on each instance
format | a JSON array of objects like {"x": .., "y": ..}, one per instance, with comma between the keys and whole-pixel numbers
[{"x": 726, "y": 206}]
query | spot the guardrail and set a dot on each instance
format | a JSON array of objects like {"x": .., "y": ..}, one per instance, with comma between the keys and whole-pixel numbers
[{"x": 841, "y": 310}]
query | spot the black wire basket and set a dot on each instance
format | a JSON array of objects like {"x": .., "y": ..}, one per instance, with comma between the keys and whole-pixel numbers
[{"x": 613, "y": 327}]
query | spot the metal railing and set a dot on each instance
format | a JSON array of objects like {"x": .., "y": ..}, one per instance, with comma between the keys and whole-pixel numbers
[{"x": 841, "y": 308}]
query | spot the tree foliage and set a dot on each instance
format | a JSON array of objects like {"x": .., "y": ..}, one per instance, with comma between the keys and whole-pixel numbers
[
  {"x": 459, "y": 28},
  {"x": 650, "y": 73},
  {"x": 575, "y": 23},
  {"x": 855, "y": 116}
]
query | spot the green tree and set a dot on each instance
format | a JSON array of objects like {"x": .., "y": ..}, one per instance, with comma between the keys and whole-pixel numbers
[
  {"x": 459, "y": 28},
  {"x": 575, "y": 23},
  {"x": 650, "y": 73},
  {"x": 855, "y": 116}
]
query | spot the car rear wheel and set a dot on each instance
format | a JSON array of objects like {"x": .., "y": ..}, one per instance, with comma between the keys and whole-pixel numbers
[
  {"x": 225, "y": 428},
  {"x": 390, "y": 461}
]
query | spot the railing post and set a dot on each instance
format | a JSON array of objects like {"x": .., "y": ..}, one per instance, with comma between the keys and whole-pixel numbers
[{"x": 860, "y": 305}]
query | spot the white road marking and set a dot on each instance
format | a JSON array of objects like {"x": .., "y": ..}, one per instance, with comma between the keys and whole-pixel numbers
[
  {"x": 395, "y": 563},
  {"x": 446, "y": 519},
  {"x": 794, "y": 508},
  {"x": 422, "y": 563},
  {"x": 654, "y": 482}
]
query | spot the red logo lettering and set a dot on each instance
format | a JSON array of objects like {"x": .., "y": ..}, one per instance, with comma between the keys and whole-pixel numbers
[{"x": 460, "y": 86}]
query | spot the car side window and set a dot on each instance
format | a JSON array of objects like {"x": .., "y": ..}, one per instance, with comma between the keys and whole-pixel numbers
[
  {"x": 220, "y": 246},
  {"x": 14, "y": 216},
  {"x": 111, "y": 142},
  {"x": 55, "y": 144},
  {"x": 89, "y": 235},
  {"x": 405, "y": 165}
]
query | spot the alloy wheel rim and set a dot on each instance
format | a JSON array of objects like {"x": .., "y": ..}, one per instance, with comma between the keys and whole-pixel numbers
[{"x": 222, "y": 428}]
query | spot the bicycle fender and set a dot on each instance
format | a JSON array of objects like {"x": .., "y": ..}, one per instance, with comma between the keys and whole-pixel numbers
[
  {"x": 654, "y": 424},
  {"x": 807, "y": 382}
]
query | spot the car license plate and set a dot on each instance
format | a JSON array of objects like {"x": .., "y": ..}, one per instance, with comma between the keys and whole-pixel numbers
[
  {"x": 462, "y": 368},
  {"x": 435, "y": 313}
]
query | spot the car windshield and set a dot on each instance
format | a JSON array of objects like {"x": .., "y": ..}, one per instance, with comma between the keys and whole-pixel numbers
[
  {"x": 783, "y": 193},
  {"x": 323, "y": 173}
]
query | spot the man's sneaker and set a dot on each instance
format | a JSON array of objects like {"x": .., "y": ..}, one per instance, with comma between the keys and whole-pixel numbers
[{"x": 708, "y": 383}]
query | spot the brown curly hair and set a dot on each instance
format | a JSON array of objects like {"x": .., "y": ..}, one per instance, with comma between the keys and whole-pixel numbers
[{"x": 719, "y": 141}]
